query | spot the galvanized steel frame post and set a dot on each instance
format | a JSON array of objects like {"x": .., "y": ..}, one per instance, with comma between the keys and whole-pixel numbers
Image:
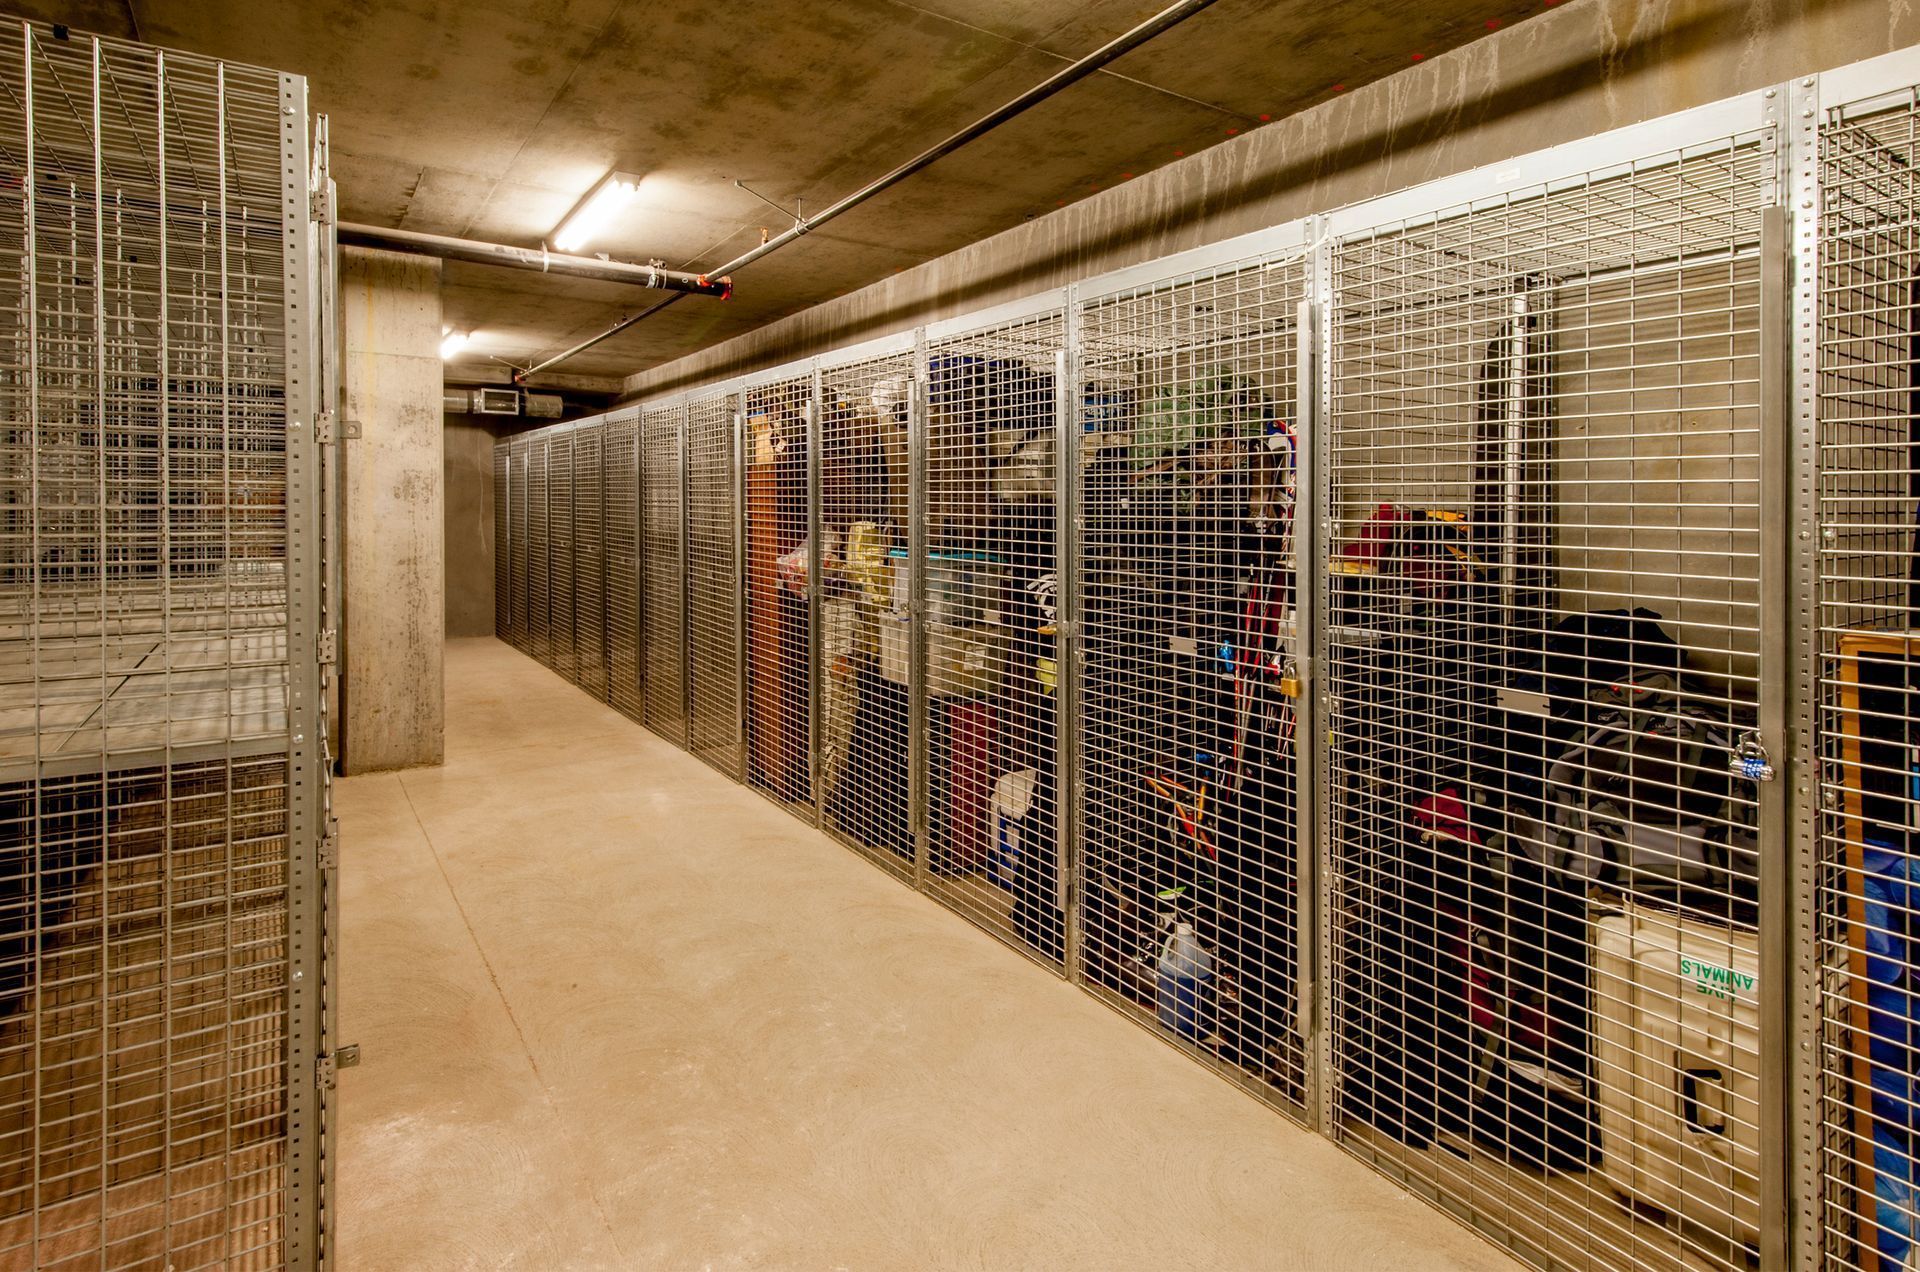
[
  {"x": 1069, "y": 649},
  {"x": 917, "y": 707},
  {"x": 1798, "y": 1049},
  {"x": 1309, "y": 1017},
  {"x": 640, "y": 563},
  {"x": 685, "y": 480},
  {"x": 307, "y": 895},
  {"x": 1775, "y": 903},
  {"x": 737, "y": 484},
  {"x": 816, "y": 523},
  {"x": 1316, "y": 486}
]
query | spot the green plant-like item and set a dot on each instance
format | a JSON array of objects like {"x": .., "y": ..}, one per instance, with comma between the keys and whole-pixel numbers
[{"x": 1193, "y": 432}]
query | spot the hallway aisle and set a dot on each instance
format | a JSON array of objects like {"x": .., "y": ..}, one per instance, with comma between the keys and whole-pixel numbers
[{"x": 617, "y": 1012}]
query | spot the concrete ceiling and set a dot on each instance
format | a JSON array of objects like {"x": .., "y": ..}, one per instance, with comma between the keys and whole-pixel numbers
[{"x": 490, "y": 118}]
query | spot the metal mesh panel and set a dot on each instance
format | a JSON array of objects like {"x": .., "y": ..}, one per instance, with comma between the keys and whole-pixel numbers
[
  {"x": 1543, "y": 582},
  {"x": 622, "y": 494},
  {"x": 663, "y": 645},
  {"x": 539, "y": 550},
  {"x": 777, "y": 709},
  {"x": 864, "y": 632},
  {"x": 589, "y": 557},
  {"x": 712, "y": 583},
  {"x": 562, "y": 585},
  {"x": 145, "y": 629},
  {"x": 1870, "y": 482},
  {"x": 502, "y": 540},
  {"x": 144, "y": 609},
  {"x": 989, "y": 632},
  {"x": 1188, "y": 733},
  {"x": 519, "y": 562}
]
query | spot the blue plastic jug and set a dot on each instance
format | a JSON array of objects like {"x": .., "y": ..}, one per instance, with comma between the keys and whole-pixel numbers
[{"x": 1185, "y": 979}]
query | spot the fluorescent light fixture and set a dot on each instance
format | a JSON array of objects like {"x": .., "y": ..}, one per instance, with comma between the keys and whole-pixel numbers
[
  {"x": 452, "y": 342},
  {"x": 592, "y": 216}
]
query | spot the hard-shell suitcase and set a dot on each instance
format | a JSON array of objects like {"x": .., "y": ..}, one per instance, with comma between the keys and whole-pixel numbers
[
  {"x": 963, "y": 747},
  {"x": 1677, "y": 1066}
]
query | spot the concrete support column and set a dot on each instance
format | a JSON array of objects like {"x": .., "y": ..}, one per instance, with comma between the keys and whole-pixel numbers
[{"x": 394, "y": 714}]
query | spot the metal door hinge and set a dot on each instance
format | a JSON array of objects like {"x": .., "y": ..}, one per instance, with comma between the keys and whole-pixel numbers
[
  {"x": 327, "y": 1068},
  {"x": 317, "y": 205},
  {"x": 330, "y": 846},
  {"x": 1307, "y": 1009},
  {"x": 327, "y": 647},
  {"x": 323, "y": 428}
]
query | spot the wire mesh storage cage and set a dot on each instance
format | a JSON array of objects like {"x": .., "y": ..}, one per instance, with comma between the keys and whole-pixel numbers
[
  {"x": 713, "y": 583},
  {"x": 621, "y": 451},
  {"x": 563, "y": 585},
  {"x": 778, "y": 632},
  {"x": 539, "y": 552},
  {"x": 1543, "y": 608},
  {"x": 159, "y": 597},
  {"x": 1188, "y": 473},
  {"x": 503, "y": 536},
  {"x": 1446, "y": 665},
  {"x": 988, "y": 631},
  {"x": 663, "y": 570},
  {"x": 517, "y": 550},
  {"x": 589, "y": 561},
  {"x": 864, "y": 665},
  {"x": 1869, "y": 280}
]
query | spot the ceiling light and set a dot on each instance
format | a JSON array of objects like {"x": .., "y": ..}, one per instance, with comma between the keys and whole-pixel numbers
[
  {"x": 452, "y": 342},
  {"x": 592, "y": 215}
]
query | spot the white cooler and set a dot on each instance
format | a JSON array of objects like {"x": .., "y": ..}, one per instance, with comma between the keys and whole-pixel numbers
[{"x": 1677, "y": 1042}]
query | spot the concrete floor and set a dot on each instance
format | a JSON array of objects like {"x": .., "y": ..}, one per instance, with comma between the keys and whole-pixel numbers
[{"x": 617, "y": 1012}]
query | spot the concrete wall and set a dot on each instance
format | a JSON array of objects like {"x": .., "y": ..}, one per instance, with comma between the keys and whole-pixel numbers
[
  {"x": 1583, "y": 68},
  {"x": 469, "y": 475},
  {"x": 394, "y": 716}
]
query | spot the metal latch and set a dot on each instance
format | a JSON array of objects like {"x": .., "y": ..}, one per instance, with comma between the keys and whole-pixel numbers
[
  {"x": 1750, "y": 758},
  {"x": 327, "y": 1068}
]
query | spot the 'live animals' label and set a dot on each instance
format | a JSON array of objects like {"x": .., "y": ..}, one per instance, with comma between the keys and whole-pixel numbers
[{"x": 1715, "y": 981}]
